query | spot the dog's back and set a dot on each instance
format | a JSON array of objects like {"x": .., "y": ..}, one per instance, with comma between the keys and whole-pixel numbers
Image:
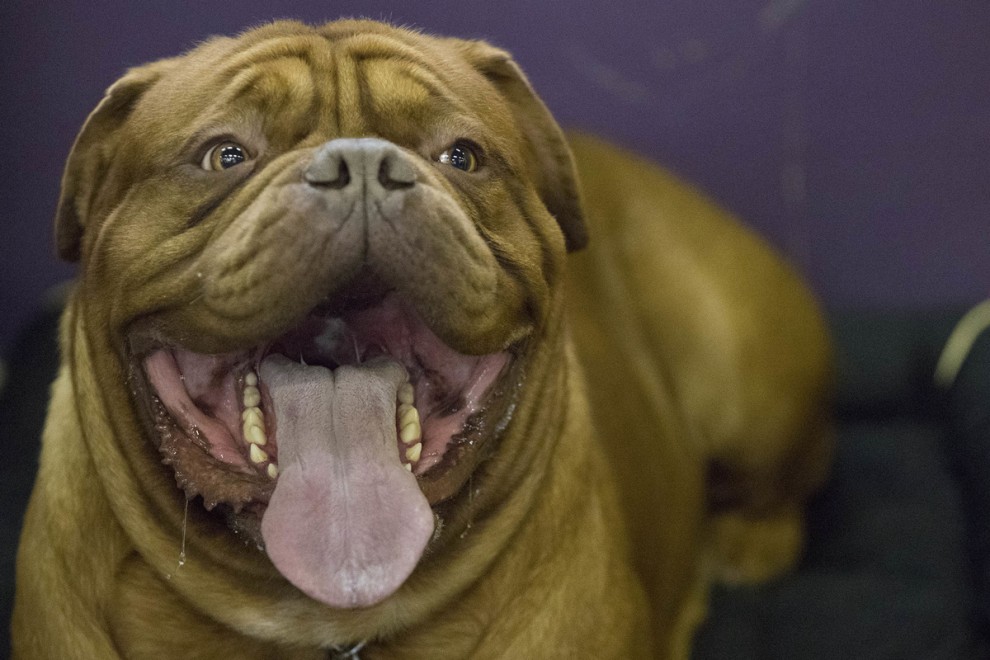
[{"x": 708, "y": 368}]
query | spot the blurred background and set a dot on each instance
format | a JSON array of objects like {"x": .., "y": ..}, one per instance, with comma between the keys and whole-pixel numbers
[{"x": 853, "y": 135}]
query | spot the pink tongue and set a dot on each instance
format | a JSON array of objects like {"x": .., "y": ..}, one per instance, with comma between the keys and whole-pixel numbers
[{"x": 347, "y": 523}]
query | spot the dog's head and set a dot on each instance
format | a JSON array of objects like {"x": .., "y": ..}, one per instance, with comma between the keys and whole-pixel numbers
[{"x": 324, "y": 255}]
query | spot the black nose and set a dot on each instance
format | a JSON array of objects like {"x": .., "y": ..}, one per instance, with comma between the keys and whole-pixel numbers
[{"x": 368, "y": 162}]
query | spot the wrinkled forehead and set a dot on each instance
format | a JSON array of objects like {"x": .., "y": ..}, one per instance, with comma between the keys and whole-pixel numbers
[{"x": 330, "y": 83}]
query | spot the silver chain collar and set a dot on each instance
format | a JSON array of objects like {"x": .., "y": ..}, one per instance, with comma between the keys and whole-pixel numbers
[{"x": 352, "y": 652}]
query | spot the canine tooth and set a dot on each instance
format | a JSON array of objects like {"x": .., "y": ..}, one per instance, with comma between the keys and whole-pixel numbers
[
  {"x": 252, "y": 396},
  {"x": 272, "y": 470},
  {"x": 408, "y": 466},
  {"x": 406, "y": 393},
  {"x": 251, "y": 379},
  {"x": 258, "y": 454},
  {"x": 254, "y": 434},
  {"x": 414, "y": 452},
  {"x": 253, "y": 415},
  {"x": 410, "y": 433}
]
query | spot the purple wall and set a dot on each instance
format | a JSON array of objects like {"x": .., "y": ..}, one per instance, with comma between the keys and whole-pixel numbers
[{"x": 854, "y": 135}]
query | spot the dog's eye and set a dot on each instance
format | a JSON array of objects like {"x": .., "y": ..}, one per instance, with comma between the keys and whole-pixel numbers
[
  {"x": 224, "y": 156},
  {"x": 462, "y": 156}
]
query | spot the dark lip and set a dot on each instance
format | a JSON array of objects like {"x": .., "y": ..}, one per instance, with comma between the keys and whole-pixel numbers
[
  {"x": 471, "y": 446},
  {"x": 153, "y": 416},
  {"x": 479, "y": 438},
  {"x": 365, "y": 290}
]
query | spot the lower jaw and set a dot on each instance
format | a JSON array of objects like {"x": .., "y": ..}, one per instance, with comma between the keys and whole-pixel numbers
[{"x": 244, "y": 507}]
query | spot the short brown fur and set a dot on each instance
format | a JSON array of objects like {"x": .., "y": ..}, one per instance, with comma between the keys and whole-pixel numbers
[{"x": 671, "y": 425}]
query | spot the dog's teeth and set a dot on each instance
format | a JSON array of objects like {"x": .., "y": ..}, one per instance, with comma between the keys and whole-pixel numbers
[
  {"x": 258, "y": 454},
  {"x": 410, "y": 433},
  {"x": 251, "y": 379},
  {"x": 413, "y": 453},
  {"x": 407, "y": 415},
  {"x": 272, "y": 470},
  {"x": 254, "y": 434},
  {"x": 408, "y": 466},
  {"x": 406, "y": 393},
  {"x": 252, "y": 396},
  {"x": 254, "y": 426}
]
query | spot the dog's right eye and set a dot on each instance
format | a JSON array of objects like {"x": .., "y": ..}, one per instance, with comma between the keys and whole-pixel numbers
[{"x": 224, "y": 156}]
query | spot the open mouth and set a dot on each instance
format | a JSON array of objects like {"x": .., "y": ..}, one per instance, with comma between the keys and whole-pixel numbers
[{"x": 338, "y": 435}]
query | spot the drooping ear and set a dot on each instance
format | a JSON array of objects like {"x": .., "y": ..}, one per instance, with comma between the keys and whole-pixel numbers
[
  {"x": 558, "y": 184},
  {"x": 90, "y": 155}
]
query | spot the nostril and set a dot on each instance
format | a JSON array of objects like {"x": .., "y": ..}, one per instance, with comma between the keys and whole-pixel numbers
[
  {"x": 357, "y": 162},
  {"x": 394, "y": 173},
  {"x": 328, "y": 172}
]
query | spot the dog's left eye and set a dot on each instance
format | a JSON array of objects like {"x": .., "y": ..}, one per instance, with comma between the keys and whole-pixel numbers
[
  {"x": 224, "y": 156},
  {"x": 462, "y": 156}
]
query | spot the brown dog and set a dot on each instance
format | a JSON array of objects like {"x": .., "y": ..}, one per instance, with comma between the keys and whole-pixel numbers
[{"x": 327, "y": 386}]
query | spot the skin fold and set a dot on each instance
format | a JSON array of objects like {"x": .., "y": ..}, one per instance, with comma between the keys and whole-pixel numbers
[{"x": 659, "y": 425}]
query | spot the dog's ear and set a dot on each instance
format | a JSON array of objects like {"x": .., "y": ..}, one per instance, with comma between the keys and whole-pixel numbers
[
  {"x": 90, "y": 155},
  {"x": 558, "y": 183}
]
